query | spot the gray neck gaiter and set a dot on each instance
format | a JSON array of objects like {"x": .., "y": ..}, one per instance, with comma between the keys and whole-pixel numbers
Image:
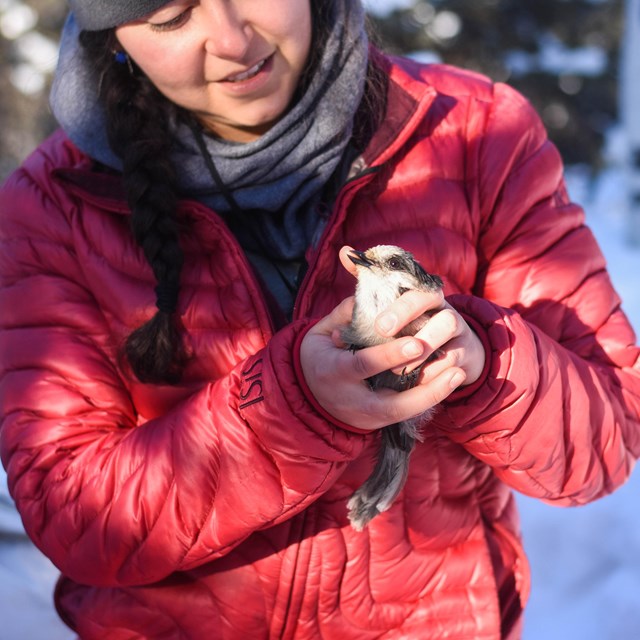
[{"x": 279, "y": 177}]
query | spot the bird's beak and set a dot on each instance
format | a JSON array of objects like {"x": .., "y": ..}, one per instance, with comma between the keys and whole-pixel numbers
[{"x": 359, "y": 258}]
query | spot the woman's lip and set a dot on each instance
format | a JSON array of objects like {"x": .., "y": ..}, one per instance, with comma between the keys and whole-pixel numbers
[
  {"x": 258, "y": 76},
  {"x": 248, "y": 74}
]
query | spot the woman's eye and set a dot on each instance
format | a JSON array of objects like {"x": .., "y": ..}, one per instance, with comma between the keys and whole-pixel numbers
[{"x": 174, "y": 23}]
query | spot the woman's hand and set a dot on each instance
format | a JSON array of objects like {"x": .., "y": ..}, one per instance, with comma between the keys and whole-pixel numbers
[
  {"x": 446, "y": 332},
  {"x": 337, "y": 377}
]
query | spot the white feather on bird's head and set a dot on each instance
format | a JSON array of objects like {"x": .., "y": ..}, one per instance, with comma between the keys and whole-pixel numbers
[{"x": 384, "y": 273}]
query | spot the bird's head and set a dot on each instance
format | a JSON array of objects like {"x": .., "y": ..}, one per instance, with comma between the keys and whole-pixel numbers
[{"x": 391, "y": 267}]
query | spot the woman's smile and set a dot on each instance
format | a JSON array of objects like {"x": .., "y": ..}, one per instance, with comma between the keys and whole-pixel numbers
[
  {"x": 248, "y": 74},
  {"x": 247, "y": 83}
]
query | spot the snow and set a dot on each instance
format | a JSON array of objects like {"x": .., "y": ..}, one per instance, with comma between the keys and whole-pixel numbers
[
  {"x": 384, "y": 7},
  {"x": 555, "y": 58},
  {"x": 585, "y": 561},
  {"x": 34, "y": 54},
  {"x": 16, "y": 18},
  {"x": 26, "y": 587}
]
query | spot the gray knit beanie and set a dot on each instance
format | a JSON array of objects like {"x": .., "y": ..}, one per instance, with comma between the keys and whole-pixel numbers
[{"x": 95, "y": 15}]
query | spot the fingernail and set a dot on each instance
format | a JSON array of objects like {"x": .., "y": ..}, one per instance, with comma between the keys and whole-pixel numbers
[
  {"x": 456, "y": 380},
  {"x": 387, "y": 322},
  {"x": 412, "y": 349}
]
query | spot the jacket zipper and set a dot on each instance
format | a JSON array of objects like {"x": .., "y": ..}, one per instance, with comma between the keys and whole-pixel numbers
[
  {"x": 352, "y": 184},
  {"x": 243, "y": 264}
]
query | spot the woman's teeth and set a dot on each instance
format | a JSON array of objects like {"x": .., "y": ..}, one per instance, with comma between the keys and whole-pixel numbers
[{"x": 249, "y": 73}]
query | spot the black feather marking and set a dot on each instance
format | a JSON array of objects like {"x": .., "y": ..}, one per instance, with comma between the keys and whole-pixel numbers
[{"x": 429, "y": 280}]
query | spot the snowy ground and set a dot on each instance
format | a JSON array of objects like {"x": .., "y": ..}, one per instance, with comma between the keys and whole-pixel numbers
[{"x": 585, "y": 562}]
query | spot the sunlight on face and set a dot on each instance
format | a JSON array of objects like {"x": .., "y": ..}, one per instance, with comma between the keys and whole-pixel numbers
[{"x": 234, "y": 63}]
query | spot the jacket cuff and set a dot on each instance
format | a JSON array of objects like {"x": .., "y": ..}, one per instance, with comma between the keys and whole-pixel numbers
[
  {"x": 502, "y": 329},
  {"x": 465, "y": 391},
  {"x": 491, "y": 325}
]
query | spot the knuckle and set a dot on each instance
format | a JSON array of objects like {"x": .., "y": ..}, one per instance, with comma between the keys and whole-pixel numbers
[
  {"x": 371, "y": 406},
  {"x": 380, "y": 410},
  {"x": 450, "y": 321},
  {"x": 390, "y": 413},
  {"x": 404, "y": 305},
  {"x": 319, "y": 375},
  {"x": 454, "y": 357}
]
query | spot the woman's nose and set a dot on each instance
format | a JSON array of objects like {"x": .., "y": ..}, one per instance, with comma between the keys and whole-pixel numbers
[{"x": 228, "y": 31}]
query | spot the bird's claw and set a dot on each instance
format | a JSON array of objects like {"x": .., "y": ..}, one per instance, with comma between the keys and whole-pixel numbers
[{"x": 409, "y": 380}]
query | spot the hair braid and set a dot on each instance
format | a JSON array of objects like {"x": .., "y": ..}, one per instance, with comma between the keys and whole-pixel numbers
[{"x": 137, "y": 115}]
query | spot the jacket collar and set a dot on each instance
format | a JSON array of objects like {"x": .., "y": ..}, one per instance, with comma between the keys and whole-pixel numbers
[{"x": 408, "y": 100}]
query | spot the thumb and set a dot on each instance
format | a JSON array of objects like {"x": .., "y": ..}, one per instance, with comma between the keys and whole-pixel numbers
[{"x": 339, "y": 317}]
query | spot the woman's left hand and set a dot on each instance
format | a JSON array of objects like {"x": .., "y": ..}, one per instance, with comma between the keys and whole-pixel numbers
[{"x": 446, "y": 332}]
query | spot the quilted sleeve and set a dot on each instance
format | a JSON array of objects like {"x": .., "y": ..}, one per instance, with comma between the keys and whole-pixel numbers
[
  {"x": 111, "y": 498},
  {"x": 558, "y": 415}
]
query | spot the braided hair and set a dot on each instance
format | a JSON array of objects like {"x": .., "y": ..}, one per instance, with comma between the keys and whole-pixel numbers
[{"x": 137, "y": 118}]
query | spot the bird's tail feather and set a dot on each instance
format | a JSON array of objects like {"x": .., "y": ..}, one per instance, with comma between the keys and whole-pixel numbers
[{"x": 388, "y": 477}]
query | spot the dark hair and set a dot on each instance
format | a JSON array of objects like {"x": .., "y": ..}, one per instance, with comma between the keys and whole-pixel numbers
[{"x": 137, "y": 117}]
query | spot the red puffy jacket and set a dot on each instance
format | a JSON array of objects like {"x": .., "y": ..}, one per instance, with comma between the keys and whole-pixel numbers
[{"x": 217, "y": 508}]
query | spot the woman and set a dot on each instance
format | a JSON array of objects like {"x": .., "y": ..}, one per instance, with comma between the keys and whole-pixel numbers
[{"x": 182, "y": 428}]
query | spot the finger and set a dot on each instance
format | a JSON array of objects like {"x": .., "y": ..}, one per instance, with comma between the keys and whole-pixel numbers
[
  {"x": 464, "y": 350},
  {"x": 392, "y": 407},
  {"x": 407, "y": 308},
  {"x": 443, "y": 326},
  {"x": 368, "y": 362},
  {"x": 444, "y": 361},
  {"x": 431, "y": 357},
  {"x": 443, "y": 329},
  {"x": 336, "y": 338},
  {"x": 343, "y": 254}
]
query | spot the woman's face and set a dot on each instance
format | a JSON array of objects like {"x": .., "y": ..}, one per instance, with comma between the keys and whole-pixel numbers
[{"x": 234, "y": 63}]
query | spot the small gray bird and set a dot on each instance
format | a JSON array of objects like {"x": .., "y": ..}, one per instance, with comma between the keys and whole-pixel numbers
[{"x": 384, "y": 273}]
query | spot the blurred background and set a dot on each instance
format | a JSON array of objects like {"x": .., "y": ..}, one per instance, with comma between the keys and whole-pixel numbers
[
  {"x": 578, "y": 61},
  {"x": 29, "y": 33},
  {"x": 563, "y": 55}
]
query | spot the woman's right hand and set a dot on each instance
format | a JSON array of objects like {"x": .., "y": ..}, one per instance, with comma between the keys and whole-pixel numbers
[{"x": 337, "y": 376}]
